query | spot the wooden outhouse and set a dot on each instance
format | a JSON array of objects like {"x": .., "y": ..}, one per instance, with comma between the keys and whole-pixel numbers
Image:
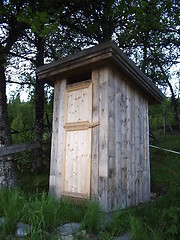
[{"x": 100, "y": 138}]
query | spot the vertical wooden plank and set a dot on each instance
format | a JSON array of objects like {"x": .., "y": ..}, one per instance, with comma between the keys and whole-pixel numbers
[
  {"x": 141, "y": 156},
  {"x": 144, "y": 150},
  {"x": 137, "y": 146},
  {"x": 67, "y": 109},
  {"x": 123, "y": 146},
  {"x": 89, "y": 103},
  {"x": 145, "y": 134},
  {"x": 146, "y": 172},
  {"x": 59, "y": 146},
  {"x": 95, "y": 135},
  {"x": 57, "y": 138},
  {"x": 111, "y": 142},
  {"x": 148, "y": 160},
  {"x": 133, "y": 159},
  {"x": 129, "y": 146},
  {"x": 136, "y": 137},
  {"x": 117, "y": 141},
  {"x": 103, "y": 137},
  {"x": 55, "y": 124}
]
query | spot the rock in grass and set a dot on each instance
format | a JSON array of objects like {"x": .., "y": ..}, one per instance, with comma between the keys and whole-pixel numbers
[
  {"x": 68, "y": 228},
  {"x": 125, "y": 236},
  {"x": 2, "y": 221},
  {"x": 69, "y": 237},
  {"x": 22, "y": 229}
]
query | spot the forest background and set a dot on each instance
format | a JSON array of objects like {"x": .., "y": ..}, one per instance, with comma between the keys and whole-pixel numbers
[{"x": 33, "y": 33}]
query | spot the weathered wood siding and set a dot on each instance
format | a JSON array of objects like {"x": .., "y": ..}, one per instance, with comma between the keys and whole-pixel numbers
[
  {"x": 120, "y": 146},
  {"x": 95, "y": 136},
  {"x": 120, "y": 169},
  {"x": 57, "y": 138}
]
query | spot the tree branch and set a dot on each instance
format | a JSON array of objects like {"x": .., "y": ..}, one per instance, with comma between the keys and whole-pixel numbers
[
  {"x": 21, "y": 56},
  {"x": 20, "y": 83}
]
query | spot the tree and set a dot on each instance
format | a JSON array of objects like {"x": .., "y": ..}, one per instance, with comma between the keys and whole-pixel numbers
[
  {"x": 153, "y": 41},
  {"x": 41, "y": 22},
  {"x": 98, "y": 21},
  {"x": 11, "y": 30},
  {"x": 145, "y": 30}
]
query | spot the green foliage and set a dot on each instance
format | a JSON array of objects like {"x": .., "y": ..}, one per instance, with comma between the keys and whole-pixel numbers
[
  {"x": 42, "y": 212},
  {"x": 93, "y": 218},
  {"x": 156, "y": 115},
  {"x": 119, "y": 223},
  {"x": 30, "y": 182},
  {"x": 159, "y": 219},
  {"x": 12, "y": 202},
  {"x": 21, "y": 116},
  {"x": 169, "y": 222},
  {"x": 138, "y": 229}
]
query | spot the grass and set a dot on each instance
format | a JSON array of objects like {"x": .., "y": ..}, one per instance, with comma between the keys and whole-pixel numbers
[{"x": 159, "y": 219}]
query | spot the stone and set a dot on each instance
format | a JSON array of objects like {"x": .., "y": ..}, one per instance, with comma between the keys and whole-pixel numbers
[
  {"x": 2, "y": 220},
  {"x": 68, "y": 228},
  {"x": 125, "y": 236},
  {"x": 22, "y": 229},
  {"x": 69, "y": 237}
]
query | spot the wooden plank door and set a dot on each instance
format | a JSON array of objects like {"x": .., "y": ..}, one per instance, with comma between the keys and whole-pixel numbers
[{"x": 77, "y": 141}]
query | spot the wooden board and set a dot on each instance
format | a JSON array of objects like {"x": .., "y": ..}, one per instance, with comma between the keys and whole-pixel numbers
[
  {"x": 77, "y": 140},
  {"x": 95, "y": 136},
  {"x": 57, "y": 138},
  {"x": 6, "y": 150},
  {"x": 103, "y": 138},
  {"x": 111, "y": 142},
  {"x": 79, "y": 103},
  {"x": 77, "y": 164}
]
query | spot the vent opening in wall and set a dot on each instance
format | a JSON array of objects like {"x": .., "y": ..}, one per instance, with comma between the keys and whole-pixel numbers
[{"x": 79, "y": 78}]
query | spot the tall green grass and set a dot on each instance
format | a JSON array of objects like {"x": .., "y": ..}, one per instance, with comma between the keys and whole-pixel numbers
[
  {"x": 42, "y": 212},
  {"x": 159, "y": 219}
]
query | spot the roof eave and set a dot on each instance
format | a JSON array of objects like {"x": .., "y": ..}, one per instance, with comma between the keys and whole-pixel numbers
[{"x": 100, "y": 54}]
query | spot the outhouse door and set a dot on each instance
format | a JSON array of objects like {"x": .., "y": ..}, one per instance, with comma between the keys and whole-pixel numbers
[{"x": 77, "y": 141}]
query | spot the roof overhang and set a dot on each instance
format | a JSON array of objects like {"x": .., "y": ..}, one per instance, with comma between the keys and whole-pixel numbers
[{"x": 103, "y": 54}]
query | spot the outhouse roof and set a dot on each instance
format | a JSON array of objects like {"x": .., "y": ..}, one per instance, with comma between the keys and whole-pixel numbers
[{"x": 103, "y": 54}]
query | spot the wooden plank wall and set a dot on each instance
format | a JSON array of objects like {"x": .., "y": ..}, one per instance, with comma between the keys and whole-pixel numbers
[
  {"x": 120, "y": 169},
  {"x": 120, "y": 145},
  {"x": 128, "y": 144},
  {"x": 57, "y": 138}
]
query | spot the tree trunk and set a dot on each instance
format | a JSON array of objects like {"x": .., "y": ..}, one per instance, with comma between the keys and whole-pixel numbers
[
  {"x": 39, "y": 107},
  {"x": 173, "y": 98},
  {"x": 175, "y": 105},
  {"x": 7, "y": 166}
]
